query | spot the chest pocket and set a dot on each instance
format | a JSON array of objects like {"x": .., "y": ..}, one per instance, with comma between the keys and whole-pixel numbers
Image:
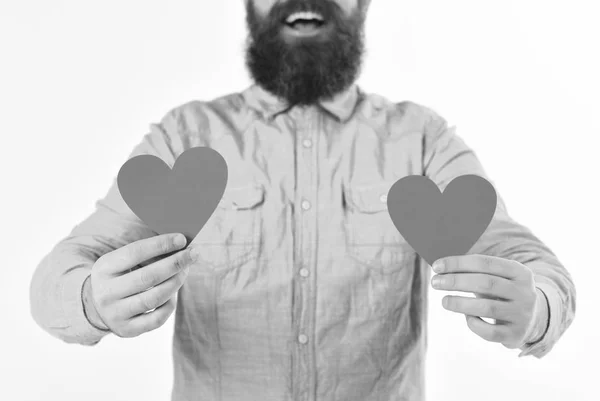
[
  {"x": 371, "y": 237},
  {"x": 231, "y": 236}
]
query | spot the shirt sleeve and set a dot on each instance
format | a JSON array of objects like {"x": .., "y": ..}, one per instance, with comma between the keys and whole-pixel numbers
[
  {"x": 447, "y": 156},
  {"x": 55, "y": 289}
]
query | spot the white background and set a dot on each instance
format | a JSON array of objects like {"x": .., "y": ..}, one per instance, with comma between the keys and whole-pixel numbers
[{"x": 81, "y": 81}]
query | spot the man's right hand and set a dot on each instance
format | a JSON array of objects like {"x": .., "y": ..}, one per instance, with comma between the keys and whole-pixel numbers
[{"x": 119, "y": 294}]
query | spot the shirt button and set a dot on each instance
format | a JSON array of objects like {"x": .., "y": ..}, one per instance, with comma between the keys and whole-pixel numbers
[
  {"x": 307, "y": 143},
  {"x": 302, "y": 338},
  {"x": 305, "y": 205},
  {"x": 383, "y": 198},
  {"x": 304, "y": 272}
]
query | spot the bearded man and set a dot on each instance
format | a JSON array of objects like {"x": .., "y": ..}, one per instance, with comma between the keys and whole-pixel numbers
[{"x": 299, "y": 286}]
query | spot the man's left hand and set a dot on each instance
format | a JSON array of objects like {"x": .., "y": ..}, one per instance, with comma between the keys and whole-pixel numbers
[{"x": 505, "y": 291}]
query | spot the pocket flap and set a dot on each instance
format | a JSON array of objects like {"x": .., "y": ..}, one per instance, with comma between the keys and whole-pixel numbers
[
  {"x": 370, "y": 198},
  {"x": 245, "y": 197}
]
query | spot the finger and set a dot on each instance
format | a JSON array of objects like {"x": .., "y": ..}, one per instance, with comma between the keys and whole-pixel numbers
[
  {"x": 487, "y": 319},
  {"x": 152, "y": 298},
  {"x": 485, "y": 284},
  {"x": 490, "y": 332},
  {"x": 475, "y": 263},
  {"x": 150, "y": 261},
  {"x": 125, "y": 258},
  {"x": 499, "y": 310},
  {"x": 146, "y": 322},
  {"x": 151, "y": 275}
]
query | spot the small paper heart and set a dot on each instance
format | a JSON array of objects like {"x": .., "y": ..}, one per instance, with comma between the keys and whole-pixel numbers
[
  {"x": 437, "y": 224},
  {"x": 179, "y": 200}
]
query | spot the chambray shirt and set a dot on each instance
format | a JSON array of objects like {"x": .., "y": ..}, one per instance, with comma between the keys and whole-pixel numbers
[{"x": 305, "y": 290}]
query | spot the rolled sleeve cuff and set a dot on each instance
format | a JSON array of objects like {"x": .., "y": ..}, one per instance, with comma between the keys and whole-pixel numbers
[
  {"x": 80, "y": 329},
  {"x": 542, "y": 346}
]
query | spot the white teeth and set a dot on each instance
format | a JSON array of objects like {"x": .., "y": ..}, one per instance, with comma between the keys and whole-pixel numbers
[{"x": 303, "y": 15}]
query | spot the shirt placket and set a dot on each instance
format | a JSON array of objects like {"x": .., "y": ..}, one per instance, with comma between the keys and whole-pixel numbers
[{"x": 304, "y": 269}]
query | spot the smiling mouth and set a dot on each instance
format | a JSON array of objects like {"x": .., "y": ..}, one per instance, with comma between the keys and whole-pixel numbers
[{"x": 304, "y": 24}]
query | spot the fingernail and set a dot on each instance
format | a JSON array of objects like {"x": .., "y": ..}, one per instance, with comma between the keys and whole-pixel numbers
[
  {"x": 180, "y": 240},
  {"x": 438, "y": 266},
  {"x": 435, "y": 281}
]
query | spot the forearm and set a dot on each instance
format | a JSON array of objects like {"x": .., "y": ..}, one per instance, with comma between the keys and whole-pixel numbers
[
  {"x": 447, "y": 156},
  {"x": 59, "y": 301},
  {"x": 56, "y": 296}
]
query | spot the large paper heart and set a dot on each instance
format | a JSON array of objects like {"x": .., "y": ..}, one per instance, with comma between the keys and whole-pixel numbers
[
  {"x": 174, "y": 201},
  {"x": 437, "y": 225}
]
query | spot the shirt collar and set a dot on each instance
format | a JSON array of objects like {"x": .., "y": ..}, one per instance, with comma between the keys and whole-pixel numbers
[{"x": 341, "y": 105}]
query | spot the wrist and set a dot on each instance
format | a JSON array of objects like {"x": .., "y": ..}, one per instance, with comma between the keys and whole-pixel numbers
[
  {"x": 89, "y": 308},
  {"x": 541, "y": 318}
]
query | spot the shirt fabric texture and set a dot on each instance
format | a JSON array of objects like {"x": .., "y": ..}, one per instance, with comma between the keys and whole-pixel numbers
[{"x": 305, "y": 289}]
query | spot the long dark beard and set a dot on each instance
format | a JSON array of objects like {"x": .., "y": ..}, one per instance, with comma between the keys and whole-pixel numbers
[{"x": 309, "y": 69}]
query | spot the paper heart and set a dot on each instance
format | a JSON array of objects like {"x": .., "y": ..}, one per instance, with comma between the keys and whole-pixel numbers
[
  {"x": 174, "y": 201},
  {"x": 437, "y": 224}
]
